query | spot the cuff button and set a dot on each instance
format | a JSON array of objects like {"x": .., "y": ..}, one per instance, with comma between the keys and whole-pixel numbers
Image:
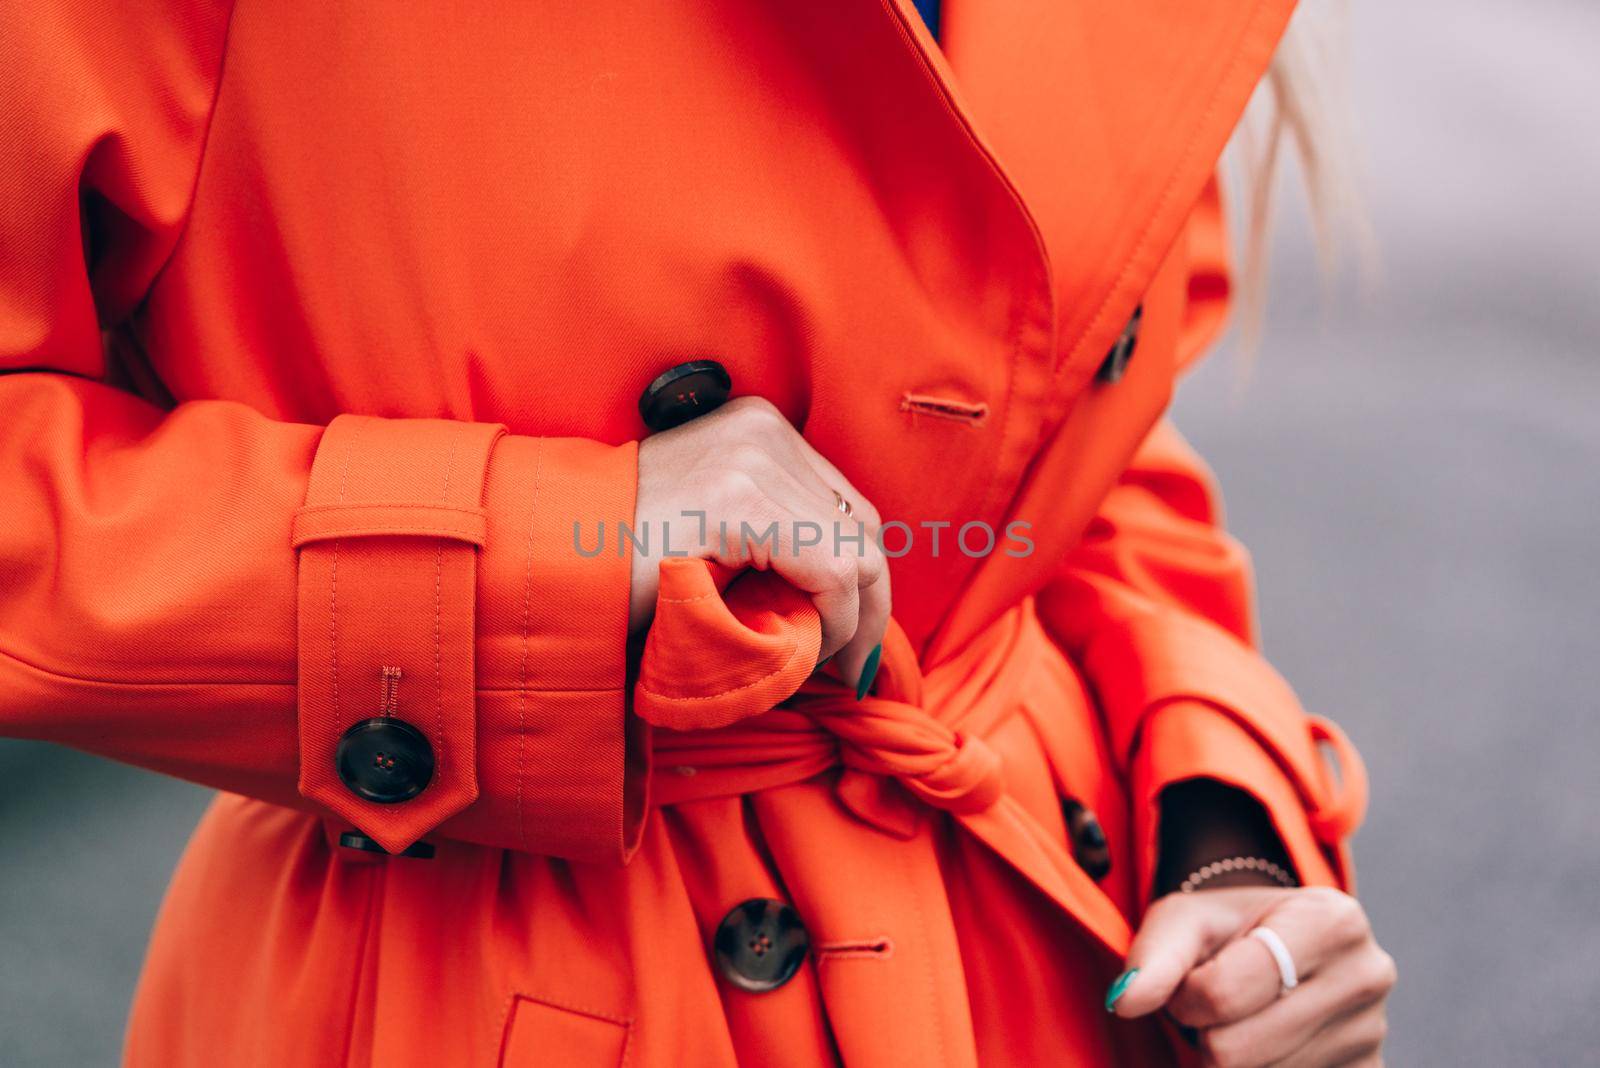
[
  {"x": 357, "y": 840},
  {"x": 384, "y": 760}
]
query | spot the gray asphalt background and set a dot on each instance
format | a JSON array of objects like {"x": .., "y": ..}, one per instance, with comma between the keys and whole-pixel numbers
[{"x": 1418, "y": 475}]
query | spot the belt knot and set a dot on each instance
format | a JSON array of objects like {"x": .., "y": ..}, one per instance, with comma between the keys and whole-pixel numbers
[
  {"x": 943, "y": 767},
  {"x": 917, "y": 742}
]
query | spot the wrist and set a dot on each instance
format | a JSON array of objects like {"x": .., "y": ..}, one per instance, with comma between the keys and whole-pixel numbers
[
  {"x": 1204, "y": 822},
  {"x": 1237, "y": 871}
]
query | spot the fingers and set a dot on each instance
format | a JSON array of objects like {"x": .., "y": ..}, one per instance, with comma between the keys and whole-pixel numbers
[
  {"x": 862, "y": 525},
  {"x": 778, "y": 497},
  {"x": 811, "y": 544},
  {"x": 860, "y": 508},
  {"x": 873, "y": 619},
  {"x": 849, "y": 586},
  {"x": 765, "y": 498},
  {"x": 1352, "y": 1041},
  {"x": 1315, "y": 925},
  {"x": 1192, "y": 955},
  {"x": 1179, "y": 933},
  {"x": 1334, "y": 1017}
]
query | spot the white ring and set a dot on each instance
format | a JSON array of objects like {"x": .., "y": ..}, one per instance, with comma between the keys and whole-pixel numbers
[{"x": 1288, "y": 976}]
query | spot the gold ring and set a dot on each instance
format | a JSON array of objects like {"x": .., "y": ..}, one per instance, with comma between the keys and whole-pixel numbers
[{"x": 844, "y": 505}]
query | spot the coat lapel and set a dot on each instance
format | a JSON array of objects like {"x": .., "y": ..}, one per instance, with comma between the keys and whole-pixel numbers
[{"x": 1108, "y": 119}]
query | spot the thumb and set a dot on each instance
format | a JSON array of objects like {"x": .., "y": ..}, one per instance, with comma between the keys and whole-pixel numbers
[{"x": 1180, "y": 932}]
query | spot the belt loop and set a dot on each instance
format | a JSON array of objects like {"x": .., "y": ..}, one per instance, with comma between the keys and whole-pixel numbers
[{"x": 1347, "y": 795}]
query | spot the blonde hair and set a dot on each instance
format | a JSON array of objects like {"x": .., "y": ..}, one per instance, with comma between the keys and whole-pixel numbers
[{"x": 1304, "y": 99}]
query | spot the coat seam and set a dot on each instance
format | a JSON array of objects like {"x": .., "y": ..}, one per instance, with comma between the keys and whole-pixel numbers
[
  {"x": 333, "y": 575},
  {"x": 527, "y": 626},
  {"x": 169, "y": 684},
  {"x": 690, "y": 698},
  {"x": 312, "y": 509},
  {"x": 438, "y": 612},
  {"x": 508, "y": 1016},
  {"x": 390, "y": 528},
  {"x": 936, "y": 1008}
]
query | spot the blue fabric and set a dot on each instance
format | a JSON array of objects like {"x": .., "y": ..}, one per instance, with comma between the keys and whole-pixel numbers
[{"x": 929, "y": 10}]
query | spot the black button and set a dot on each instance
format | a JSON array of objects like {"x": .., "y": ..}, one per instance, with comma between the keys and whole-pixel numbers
[
  {"x": 760, "y": 944},
  {"x": 384, "y": 759},
  {"x": 356, "y": 840},
  {"x": 1089, "y": 846},
  {"x": 687, "y": 390},
  {"x": 1115, "y": 364}
]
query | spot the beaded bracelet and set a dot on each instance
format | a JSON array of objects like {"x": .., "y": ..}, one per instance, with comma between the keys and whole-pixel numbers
[{"x": 1220, "y": 867}]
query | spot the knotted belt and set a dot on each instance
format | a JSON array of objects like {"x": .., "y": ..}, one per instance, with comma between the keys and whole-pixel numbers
[
  {"x": 926, "y": 734},
  {"x": 919, "y": 742}
]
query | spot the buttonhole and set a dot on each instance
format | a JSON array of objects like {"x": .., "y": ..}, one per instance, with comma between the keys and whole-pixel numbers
[
  {"x": 868, "y": 948},
  {"x": 944, "y": 408}
]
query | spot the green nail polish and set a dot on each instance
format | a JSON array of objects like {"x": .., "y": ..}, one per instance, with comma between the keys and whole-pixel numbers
[
  {"x": 1118, "y": 985},
  {"x": 869, "y": 671}
]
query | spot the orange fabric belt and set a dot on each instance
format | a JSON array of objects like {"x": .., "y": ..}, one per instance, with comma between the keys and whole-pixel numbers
[{"x": 917, "y": 742}]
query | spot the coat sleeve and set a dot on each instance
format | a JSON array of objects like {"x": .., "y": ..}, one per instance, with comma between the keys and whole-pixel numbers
[
  {"x": 1156, "y": 605},
  {"x": 215, "y": 594}
]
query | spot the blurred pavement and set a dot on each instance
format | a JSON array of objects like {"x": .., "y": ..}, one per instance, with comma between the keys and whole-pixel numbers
[{"x": 1418, "y": 476}]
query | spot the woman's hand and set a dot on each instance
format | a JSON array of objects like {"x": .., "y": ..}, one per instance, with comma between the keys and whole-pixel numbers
[
  {"x": 747, "y": 471},
  {"x": 1192, "y": 957}
]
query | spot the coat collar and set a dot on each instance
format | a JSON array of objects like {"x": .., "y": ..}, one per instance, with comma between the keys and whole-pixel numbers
[{"x": 1107, "y": 119}]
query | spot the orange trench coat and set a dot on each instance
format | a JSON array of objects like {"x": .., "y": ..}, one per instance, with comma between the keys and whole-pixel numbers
[{"x": 323, "y": 325}]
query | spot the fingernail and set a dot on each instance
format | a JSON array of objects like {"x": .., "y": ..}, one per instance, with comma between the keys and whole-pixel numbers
[
  {"x": 823, "y": 662},
  {"x": 1118, "y": 986},
  {"x": 869, "y": 671}
]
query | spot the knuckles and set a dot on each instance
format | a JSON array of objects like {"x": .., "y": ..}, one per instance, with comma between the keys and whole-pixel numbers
[
  {"x": 1376, "y": 977},
  {"x": 871, "y": 567},
  {"x": 839, "y": 571},
  {"x": 1338, "y": 915},
  {"x": 753, "y": 416},
  {"x": 745, "y": 456},
  {"x": 735, "y": 491},
  {"x": 1380, "y": 1032},
  {"x": 1207, "y": 998},
  {"x": 729, "y": 462},
  {"x": 1163, "y": 905},
  {"x": 1226, "y": 1049}
]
